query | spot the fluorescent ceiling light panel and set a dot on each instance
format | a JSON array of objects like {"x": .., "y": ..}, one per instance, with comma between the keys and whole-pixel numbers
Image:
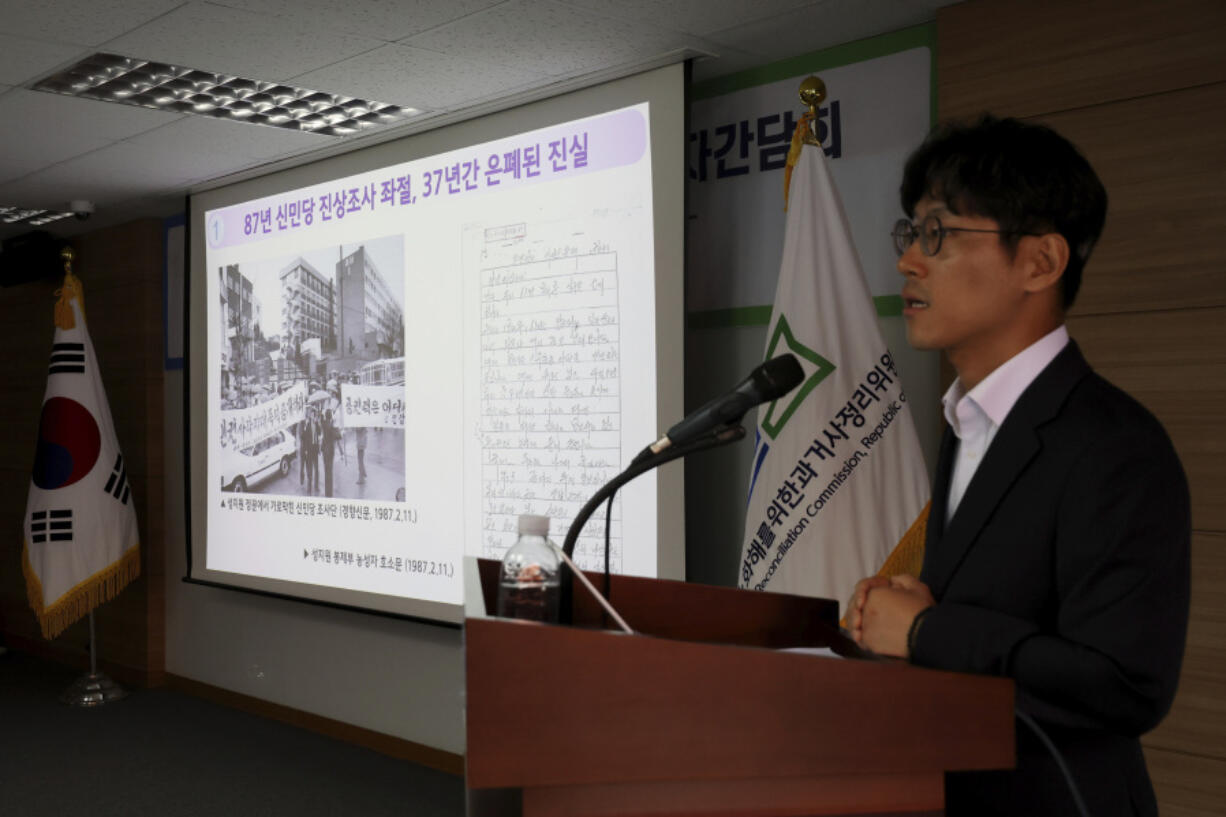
[
  {"x": 130, "y": 81},
  {"x": 30, "y": 215}
]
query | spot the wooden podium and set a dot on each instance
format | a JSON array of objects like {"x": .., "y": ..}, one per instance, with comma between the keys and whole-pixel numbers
[{"x": 700, "y": 713}]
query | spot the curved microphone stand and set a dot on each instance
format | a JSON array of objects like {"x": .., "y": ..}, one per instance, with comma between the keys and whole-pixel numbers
[{"x": 641, "y": 465}]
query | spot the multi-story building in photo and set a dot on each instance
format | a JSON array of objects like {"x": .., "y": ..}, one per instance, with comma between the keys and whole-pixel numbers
[
  {"x": 370, "y": 321},
  {"x": 239, "y": 316},
  {"x": 307, "y": 307},
  {"x": 224, "y": 320}
]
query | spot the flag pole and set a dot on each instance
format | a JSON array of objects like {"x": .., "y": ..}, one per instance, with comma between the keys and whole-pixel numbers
[{"x": 94, "y": 688}]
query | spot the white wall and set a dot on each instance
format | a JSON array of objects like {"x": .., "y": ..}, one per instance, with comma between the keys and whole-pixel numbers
[{"x": 393, "y": 676}]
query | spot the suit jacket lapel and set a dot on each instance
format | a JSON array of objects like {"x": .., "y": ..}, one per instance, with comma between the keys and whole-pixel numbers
[
  {"x": 940, "y": 498},
  {"x": 1016, "y": 444}
]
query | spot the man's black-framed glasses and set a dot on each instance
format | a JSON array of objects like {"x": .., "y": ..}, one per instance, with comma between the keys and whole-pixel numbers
[{"x": 931, "y": 232}]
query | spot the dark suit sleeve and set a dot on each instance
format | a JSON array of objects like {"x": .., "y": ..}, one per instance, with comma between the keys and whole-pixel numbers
[{"x": 1110, "y": 656}]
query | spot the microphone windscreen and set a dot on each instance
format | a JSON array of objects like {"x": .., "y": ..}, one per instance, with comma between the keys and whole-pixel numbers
[{"x": 779, "y": 376}]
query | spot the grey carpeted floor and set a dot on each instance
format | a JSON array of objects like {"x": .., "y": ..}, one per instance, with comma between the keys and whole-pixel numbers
[{"x": 159, "y": 752}]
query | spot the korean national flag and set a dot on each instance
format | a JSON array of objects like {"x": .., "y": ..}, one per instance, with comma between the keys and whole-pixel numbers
[{"x": 81, "y": 544}]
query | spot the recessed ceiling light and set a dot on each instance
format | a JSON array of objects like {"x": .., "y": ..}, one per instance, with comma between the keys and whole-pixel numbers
[
  {"x": 33, "y": 216},
  {"x": 130, "y": 81}
]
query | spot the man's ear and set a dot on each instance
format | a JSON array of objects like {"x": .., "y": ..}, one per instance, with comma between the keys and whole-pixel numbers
[{"x": 1048, "y": 255}]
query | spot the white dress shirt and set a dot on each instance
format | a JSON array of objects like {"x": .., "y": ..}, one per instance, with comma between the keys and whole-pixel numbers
[{"x": 975, "y": 416}]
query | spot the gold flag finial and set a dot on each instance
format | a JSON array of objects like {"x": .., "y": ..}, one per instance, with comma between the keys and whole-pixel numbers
[
  {"x": 71, "y": 289},
  {"x": 812, "y": 94}
]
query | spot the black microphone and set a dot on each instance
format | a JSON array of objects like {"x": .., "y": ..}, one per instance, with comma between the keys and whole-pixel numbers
[{"x": 770, "y": 381}]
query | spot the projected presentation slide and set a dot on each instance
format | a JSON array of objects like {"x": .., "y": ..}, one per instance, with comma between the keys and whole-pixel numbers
[{"x": 401, "y": 362}]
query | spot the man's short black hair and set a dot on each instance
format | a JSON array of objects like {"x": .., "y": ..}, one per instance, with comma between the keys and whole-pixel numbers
[{"x": 1025, "y": 177}]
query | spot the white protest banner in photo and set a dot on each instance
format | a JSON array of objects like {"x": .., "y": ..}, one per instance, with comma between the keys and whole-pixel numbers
[
  {"x": 372, "y": 406},
  {"x": 242, "y": 427}
]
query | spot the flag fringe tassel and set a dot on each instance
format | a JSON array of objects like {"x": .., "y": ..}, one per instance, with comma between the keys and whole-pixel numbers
[
  {"x": 798, "y": 141},
  {"x": 908, "y": 554},
  {"x": 80, "y": 600},
  {"x": 63, "y": 307}
]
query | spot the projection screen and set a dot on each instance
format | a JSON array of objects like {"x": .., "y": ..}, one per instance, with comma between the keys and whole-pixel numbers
[{"x": 395, "y": 351}]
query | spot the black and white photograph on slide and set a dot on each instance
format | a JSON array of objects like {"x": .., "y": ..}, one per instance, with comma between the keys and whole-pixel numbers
[{"x": 312, "y": 373}]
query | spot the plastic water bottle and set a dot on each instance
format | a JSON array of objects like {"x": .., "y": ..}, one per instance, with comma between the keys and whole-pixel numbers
[{"x": 529, "y": 585}]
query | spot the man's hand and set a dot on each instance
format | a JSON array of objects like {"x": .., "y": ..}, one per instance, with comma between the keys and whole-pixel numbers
[
  {"x": 853, "y": 616},
  {"x": 886, "y": 614}
]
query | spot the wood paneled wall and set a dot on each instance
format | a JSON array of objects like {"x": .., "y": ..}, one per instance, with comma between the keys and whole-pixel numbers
[
  {"x": 1140, "y": 87},
  {"x": 121, "y": 271}
]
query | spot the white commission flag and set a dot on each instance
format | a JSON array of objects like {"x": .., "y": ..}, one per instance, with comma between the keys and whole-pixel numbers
[
  {"x": 81, "y": 545},
  {"x": 837, "y": 476}
]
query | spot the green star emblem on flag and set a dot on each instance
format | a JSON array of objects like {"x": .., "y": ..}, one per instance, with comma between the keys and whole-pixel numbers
[{"x": 783, "y": 336}]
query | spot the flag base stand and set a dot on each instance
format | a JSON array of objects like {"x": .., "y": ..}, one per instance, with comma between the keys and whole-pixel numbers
[{"x": 93, "y": 689}]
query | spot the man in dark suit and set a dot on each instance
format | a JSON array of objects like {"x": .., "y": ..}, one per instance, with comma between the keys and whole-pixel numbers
[
  {"x": 329, "y": 435},
  {"x": 1057, "y": 547},
  {"x": 309, "y": 439}
]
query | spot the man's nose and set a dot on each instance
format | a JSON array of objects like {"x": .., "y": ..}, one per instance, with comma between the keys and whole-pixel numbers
[{"x": 911, "y": 262}]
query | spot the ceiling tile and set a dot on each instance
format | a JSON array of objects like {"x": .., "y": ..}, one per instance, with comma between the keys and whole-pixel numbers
[
  {"x": 692, "y": 16},
  {"x": 232, "y": 41},
  {"x": 815, "y": 27},
  {"x": 14, "y": 167},
  {"x": 23, "y": 60},
  {"x": 38, "y": 129},
  {"x": 72, "y": 21},
  {"x": 238, "y": 140},
  {"x": 160, "y": 167},
  {"x": 727, "y": 60},
  {"x": 427, "y": 80},
  {"x": 384, "y": 19},
  {"x": 548, "y": 37},
  {"x": 24, "y": 112},
  {"x": 108, "y": 175}
]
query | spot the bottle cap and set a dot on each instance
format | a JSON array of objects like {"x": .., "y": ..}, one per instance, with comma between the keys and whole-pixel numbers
[{"x": 533, "y": 525}]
